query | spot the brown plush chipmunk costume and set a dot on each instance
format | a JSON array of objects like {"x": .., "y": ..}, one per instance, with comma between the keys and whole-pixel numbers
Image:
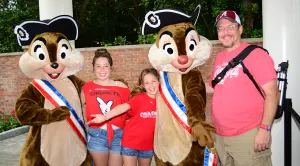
[
  {"x": 51, "y": 103},
  {"x": 181, "y": 132}
]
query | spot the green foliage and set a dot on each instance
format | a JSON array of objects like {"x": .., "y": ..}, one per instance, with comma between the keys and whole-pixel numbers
[
  {"x": 120, "y": 40},
  {"x": 252, "y": 33},
  {"x": 254, "y": 10},
  {"x": 145, "y": 39},
  {"x": 8, "y": 122},
  {"x": 102, "y": 43},
  {"x": 218, "y": 6},
  {"x": 256, "y": 30},
  {"x": 107, "y": 22},
  {"x": 12, "y": 12},
  {"x": 119, "y": 22}
]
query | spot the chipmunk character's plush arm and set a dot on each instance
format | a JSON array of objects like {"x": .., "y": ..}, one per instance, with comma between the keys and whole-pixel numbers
[
  {"x": 31, "y": 99},
  {"x": 195, "y": 99},
  {"x": 50, "y": 104},
  {"x": 181, "y": 132}
]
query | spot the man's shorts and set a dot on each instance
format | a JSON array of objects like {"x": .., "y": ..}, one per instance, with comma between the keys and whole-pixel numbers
[
  {"x": 139, "y": 153},
  {"x": 97, "y": 140},
  {"x": 239, "y": 150}
]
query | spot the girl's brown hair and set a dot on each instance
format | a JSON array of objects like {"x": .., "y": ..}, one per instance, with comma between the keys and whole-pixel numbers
[
  {"x": 139, "y": 88},
  {"x": 102, "y": 53}
]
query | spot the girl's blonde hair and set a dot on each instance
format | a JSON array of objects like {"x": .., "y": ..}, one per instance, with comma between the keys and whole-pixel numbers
[{"x": 139, "y": 88}]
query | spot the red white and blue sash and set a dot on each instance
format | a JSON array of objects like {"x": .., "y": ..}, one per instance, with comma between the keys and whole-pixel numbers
[
  {"x": 57, "y": 99},
  {"x": 210, "y": 159},
  {"x": 173, "y": 102}
]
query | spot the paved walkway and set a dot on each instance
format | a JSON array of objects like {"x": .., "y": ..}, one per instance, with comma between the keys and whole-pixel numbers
[{"x": 10, "y": 151}]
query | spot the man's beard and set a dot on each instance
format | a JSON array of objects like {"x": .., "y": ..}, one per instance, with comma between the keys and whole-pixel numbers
[{"x": 229, "y": 45}]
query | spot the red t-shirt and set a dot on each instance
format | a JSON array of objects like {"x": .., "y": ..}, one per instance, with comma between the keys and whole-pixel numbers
[
  {"x": 237, "y": 106},
  {"x": 100, "y": 99},
  {"x": 139, "y": 131}
]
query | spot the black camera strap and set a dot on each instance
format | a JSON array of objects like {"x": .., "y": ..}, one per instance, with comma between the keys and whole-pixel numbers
[{"x": 239, "y": 60}]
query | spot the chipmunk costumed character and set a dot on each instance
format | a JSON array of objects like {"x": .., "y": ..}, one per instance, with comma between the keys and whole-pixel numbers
[
  {"x": 181, "y": 133},
  {"x": 50, "y": 104}
]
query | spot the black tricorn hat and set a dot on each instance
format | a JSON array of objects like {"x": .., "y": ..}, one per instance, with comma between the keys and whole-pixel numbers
[
  {"x": 64, "y": 24},
  {"x": 155, "y": 20}
]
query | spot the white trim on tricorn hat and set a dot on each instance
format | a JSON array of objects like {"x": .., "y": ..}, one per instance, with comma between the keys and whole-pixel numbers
[
  {"x": 64, "y": 24},
  {"x": 155, "y": 20}
]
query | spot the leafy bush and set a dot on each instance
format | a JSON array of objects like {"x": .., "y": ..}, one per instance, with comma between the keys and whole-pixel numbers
[
  {"x": 120, "y": 40},
  {"x": 252, "y": 33},
  {"x": 8, "y": 122},
  {"x": 12, "y": 13},
  {"x": 145, "y": 39}
]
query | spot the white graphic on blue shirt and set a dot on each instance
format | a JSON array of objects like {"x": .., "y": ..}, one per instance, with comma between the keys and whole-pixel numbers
[
  {"x": 104, "y": 107},
  {"x": 232, "y": 73}
]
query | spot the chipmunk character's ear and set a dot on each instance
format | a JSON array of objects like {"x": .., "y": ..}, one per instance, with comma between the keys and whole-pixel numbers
[{"x": 64, "y": 24}]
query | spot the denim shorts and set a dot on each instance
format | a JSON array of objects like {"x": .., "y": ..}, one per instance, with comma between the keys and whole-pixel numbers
[
  {"x": 97, "y": 140},
  {"x": 139, "y": 153}
]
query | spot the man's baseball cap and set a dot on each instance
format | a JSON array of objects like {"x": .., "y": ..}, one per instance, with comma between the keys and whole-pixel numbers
[{"x": 229, "y": 15}]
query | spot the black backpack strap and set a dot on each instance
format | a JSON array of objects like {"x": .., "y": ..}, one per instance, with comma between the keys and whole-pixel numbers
[
  {"x": 234, "y": 62},
  {"x": 246, "y": 71}
]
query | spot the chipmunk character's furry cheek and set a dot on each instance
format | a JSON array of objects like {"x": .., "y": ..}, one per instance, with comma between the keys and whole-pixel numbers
[
  {"x": 32, "y": 67},
  {"x": 73, "y": 63},
  {"x": 161, "y": 57},
  {"x": 202, "y": 52}
]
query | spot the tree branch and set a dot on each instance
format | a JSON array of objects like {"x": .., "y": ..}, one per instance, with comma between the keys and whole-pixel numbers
[
  {"x": 130, "y": 12},
  {"x": 85, "y": 3}
]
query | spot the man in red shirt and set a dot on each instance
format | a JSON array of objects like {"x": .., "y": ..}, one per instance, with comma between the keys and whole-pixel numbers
[{"x": 242, "y": 117}]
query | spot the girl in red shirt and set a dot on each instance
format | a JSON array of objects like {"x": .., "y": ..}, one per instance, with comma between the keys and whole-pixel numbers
[
  {"x": 100, "y": 96},
  {"x": 137, "y": 141}
]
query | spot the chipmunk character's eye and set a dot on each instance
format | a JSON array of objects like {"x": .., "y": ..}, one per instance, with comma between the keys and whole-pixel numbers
[
  {"x": 38, "y": 50},
  {"x": 168, "y": 48},
  {"x": 192, "y": 44},
  {"x": 64, "y": 49},
  {"x": 168, "y": 45},
  {"x": 192, "y": 40}
]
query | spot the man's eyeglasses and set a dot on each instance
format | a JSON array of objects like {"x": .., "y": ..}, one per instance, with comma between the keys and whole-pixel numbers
[{"x": 229, "y": 27}]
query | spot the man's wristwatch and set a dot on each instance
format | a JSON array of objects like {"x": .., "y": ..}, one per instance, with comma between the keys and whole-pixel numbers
[{"x": 266, "y": 127}]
